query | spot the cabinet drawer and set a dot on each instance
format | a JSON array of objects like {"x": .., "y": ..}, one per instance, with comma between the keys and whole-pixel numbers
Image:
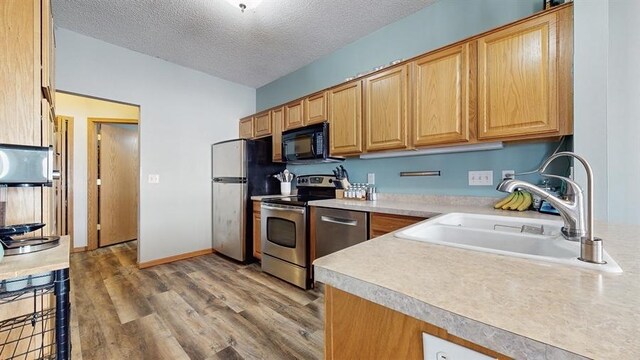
[{"x": 381, "y": 224}]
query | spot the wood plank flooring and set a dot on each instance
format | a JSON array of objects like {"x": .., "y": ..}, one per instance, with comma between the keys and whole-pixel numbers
[{"x": 202, "y": 308}]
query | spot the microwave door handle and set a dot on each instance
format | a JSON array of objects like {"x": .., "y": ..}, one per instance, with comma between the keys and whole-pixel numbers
[{"x": 313, "y": 145}]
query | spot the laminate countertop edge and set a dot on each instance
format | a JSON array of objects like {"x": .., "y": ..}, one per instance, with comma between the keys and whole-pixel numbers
[{"x": 502, "y": 341}]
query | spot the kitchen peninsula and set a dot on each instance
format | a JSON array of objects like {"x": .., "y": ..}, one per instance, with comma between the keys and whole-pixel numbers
[{"x": 510, "y": 307}]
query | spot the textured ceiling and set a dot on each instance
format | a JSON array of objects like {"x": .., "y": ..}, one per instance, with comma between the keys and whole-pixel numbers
[{"x": 251, "y": 48}]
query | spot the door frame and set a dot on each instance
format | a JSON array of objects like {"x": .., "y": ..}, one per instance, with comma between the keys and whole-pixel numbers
[
  {"x": 65, "y": 133},
  {"x": 92, "y": 176}
]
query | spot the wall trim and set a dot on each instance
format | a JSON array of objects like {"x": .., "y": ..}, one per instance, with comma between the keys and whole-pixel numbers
[
  {"x": 147, "y": 264},
  {"x": 78, "y": 249}
]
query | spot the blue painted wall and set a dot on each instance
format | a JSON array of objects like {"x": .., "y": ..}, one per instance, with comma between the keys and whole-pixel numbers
[
  {"x": 453, "y": 167},
  {"x": 442, "y": 23}
]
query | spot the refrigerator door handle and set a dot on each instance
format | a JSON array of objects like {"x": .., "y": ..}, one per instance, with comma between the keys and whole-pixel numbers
[{"x": 230, "y": 180}]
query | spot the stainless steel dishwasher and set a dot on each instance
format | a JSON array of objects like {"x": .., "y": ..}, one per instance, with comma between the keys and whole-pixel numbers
[{"x": 338, "y": 229}]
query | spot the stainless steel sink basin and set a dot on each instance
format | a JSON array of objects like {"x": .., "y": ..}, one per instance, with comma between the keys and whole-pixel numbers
[{"x": 511, "y": 236}]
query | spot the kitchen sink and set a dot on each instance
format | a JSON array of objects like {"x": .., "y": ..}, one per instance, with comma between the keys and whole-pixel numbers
[{"x": 538, "y": 239}]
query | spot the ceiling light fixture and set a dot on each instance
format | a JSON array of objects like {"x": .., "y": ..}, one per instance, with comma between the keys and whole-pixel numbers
[{"x": 244, "y": 4}]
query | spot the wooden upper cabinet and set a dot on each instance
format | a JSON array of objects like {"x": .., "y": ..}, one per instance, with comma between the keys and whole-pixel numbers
[
  {"x": 386, "y": 109},
  {"x": 345, "y": 119},
  {"x": 262, "y": 124},
  {"x": 294, "y": 115},
  {"x": 246, "y": 128},
  {"x": 517, "y": 80},
  {"x": 440, "y": 93},
  {"x": 315, "y": 108},
  {"x": 277, "y": 116}
]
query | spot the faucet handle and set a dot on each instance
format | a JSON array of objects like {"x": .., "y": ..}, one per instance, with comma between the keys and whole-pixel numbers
[{"x": 573, "y": 188}]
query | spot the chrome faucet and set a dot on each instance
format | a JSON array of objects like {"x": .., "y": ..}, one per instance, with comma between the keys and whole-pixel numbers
[{"x": 578, "y": 223}]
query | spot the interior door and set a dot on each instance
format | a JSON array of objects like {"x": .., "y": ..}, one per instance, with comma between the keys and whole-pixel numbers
[{"x": 118, "y": 190}]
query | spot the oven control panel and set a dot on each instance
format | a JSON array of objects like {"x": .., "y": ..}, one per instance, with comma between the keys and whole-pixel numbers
[{"x": 316, "y": 181}]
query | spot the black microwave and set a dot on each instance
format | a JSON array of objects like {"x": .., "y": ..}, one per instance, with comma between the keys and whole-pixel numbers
[{"x": 309, "y": 144}]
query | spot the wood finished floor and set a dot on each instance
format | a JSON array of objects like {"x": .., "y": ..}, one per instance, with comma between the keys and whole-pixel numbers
[{"x": 202, "y": 308}]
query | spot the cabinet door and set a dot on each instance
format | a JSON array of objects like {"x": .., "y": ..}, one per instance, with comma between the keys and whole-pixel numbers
[
  {"x": 262, "y": 124},
  {"x": 315, "y": 108},
  {"x": 246, "y": 128},
  {"x": 386, "y": 110},
  {"x": 293, "y": 115},
  {"x": 257, "y": 251},
  {"x": 276, "y": 140},
  {"x": 441, "y": 97},
  {"x": 517, "y": 80},
  {"x": 380, "y": 224},
  {"x": 345, "y": 119},
  {"x": 47, "y": 52}
]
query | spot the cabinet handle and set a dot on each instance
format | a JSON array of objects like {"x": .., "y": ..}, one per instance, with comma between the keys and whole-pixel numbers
[{"x": 334, "y": 220}]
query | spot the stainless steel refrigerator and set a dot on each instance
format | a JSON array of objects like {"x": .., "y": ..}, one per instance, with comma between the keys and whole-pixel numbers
[{"x": 239, "y": 169}]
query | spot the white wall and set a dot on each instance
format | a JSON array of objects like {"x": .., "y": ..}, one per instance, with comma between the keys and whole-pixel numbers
[
  {"x": 606, "y": 106},
  {"x": 623, "y": 111},
  {"x": 182, "y": 112},
  {"x": 81, "y": 108},
  {"x": 591, "y": 36}
]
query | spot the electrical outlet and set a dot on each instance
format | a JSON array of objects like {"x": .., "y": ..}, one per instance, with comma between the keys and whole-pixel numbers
[
  {"x": 481, "y": 178},
  {"x": 371, "y": 178},
  {"x": 508, "y": 174},
  {"x": 154, "y": 179}
]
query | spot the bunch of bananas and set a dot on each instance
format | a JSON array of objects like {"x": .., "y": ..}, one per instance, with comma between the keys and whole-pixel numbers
[{"x": 517, "y": 200}]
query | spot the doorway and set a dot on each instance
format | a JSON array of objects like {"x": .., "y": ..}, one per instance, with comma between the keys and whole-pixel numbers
[{"x": 113, "y": 181}]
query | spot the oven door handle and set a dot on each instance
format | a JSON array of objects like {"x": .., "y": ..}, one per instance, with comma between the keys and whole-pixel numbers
[
  {"x": 288, "y": 208},
  {"x": 334, "y": 220}
]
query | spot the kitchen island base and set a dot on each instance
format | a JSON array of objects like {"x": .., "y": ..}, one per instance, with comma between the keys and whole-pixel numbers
[{"x": 358, "y": 328}]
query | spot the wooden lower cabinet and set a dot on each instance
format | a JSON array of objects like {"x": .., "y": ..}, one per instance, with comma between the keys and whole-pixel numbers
[
  {"x": 257, "y": 250},
  {"x": 356, "y": 328},
  {"x": 380, "y": 224}
]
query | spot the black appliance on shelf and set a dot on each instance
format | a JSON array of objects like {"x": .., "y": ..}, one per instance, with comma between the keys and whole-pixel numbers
[
  {"x": 307, "y": 145},
  {"x": 20, "y": 166}
]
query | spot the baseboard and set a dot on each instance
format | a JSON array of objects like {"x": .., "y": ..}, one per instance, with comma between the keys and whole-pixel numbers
[
  {"x": 79, "y": 249},
  {"x": 147, "y": 264}
]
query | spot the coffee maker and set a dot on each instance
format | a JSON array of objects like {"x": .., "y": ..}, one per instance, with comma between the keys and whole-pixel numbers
[{"x": 24, "y": 166}]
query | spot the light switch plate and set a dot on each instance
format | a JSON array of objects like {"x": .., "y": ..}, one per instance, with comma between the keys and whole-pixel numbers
[
  {"x": 371, "y": 178},
  {"x": 154, "y": 179},
  {"x": 481, "y": 178}
]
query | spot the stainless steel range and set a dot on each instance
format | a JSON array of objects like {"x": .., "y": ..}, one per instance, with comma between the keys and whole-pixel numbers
[{"x": 285, "y": 229}]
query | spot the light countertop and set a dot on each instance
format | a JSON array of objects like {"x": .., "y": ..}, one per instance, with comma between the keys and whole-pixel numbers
[
  {"x": 428, "y": 207},
  {"x": 519, "y": 307},
  {"x": 38, "y": 262}
]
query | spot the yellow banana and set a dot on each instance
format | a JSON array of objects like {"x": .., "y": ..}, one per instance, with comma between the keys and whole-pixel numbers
[
  {"x": 528, "y": 199},
  {"x": 516, "y": 204},
  {"x": 513, "y": 201},
  {"x": 504, "y": 201}
]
